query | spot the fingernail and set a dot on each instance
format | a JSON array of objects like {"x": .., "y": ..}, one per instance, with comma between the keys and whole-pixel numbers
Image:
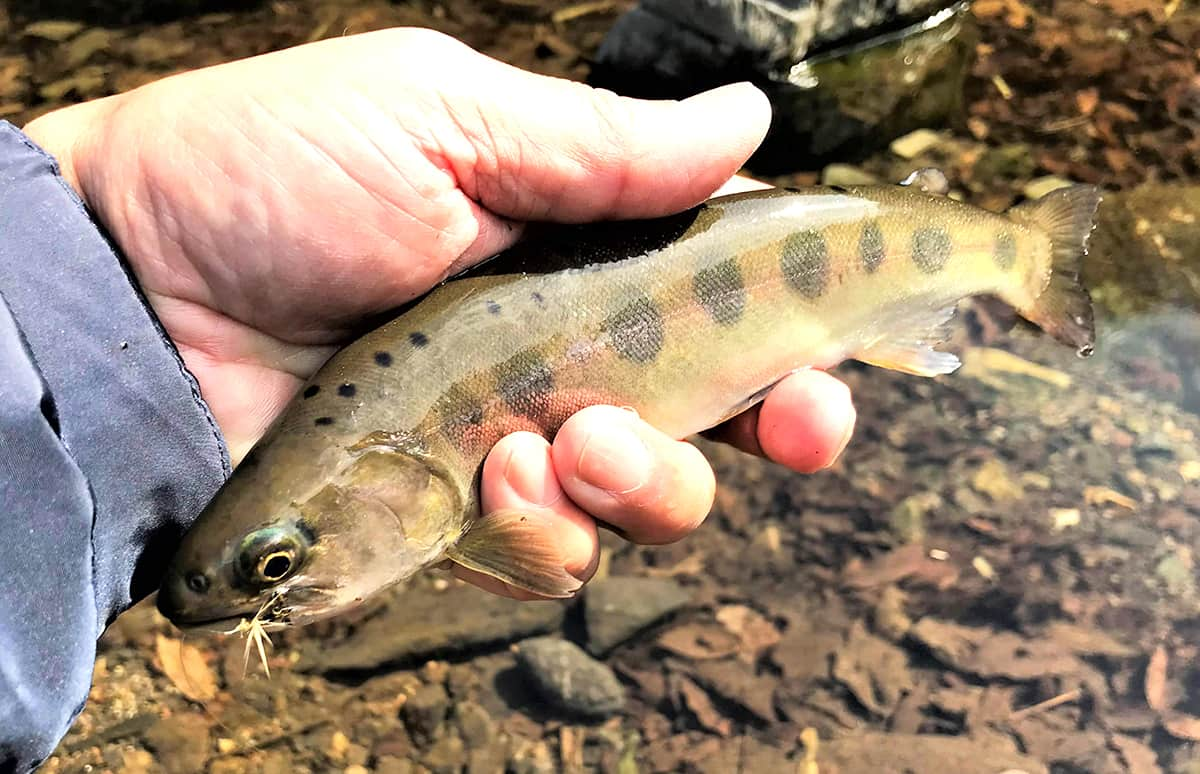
[
  {"x": 841, "y": 447},
  {"x": 534, "y": 484},
  {"x": 615, "y": 459}
]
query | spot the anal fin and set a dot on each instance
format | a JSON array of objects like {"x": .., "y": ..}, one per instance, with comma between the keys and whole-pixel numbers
[
  {"x": 513, "y": 546},
  {"x": 911, "y": 349}
]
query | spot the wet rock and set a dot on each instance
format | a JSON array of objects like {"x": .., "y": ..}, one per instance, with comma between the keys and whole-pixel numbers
[
  {"x": 180, "y": 743},
  {"x": 474, "y": 724},
  {"x": 617, "y": 608},
  {"x": 447, "y": 756},
  {"x": 915, "y": 143},
  {"x": 390, "y": 764},
  {"x": 922, "y": 754},
  {"x": 1039, "y": 187},
  {"x": 425, "y": 712},
  {"x": 421, "y": 623},
  {"x": 567, "y": 676},
  {"x": 847, "y": 174}
]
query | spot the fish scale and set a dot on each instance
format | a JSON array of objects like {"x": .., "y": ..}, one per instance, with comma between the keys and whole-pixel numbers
[{"x": 372, "y": 473}]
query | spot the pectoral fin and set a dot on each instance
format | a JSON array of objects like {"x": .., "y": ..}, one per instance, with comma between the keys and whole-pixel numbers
[
  {"x": 512, "y": 546},
  {"x": 911, "y": 349}
]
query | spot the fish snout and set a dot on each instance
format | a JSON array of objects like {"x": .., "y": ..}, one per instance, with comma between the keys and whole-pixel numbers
[{"x": 183, "y": 592}]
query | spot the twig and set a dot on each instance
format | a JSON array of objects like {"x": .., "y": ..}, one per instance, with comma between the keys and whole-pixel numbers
[{"x": 1048, "y": 704}]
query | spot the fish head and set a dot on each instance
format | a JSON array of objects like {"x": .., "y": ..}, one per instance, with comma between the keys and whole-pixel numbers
[{"x": 294, "y": 545}]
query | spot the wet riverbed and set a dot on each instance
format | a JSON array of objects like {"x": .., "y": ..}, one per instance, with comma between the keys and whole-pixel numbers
[{"x": 998, "y": 575}]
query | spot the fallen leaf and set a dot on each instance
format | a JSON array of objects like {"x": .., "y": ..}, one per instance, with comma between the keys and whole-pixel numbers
[
  {"x": 872, "y": 669},
  {"x": 751, "y": 627},
  {"x": 993, "y": 654},
  {"x": 697, "y": 702},
  {"x": 1182, "y": 726},
  {"x": 1156, "y": 680},
  {"x": 909, "y": 561},
  {"x": 1102, "y": 495},
  {"x": 1087, "y": 641},
  {"x": 1139, "y": 758},
  {"x": 186, "y": 668},
  {"x": 699, "y": 641}
]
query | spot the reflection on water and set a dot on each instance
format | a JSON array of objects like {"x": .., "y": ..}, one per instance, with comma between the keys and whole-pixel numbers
[{"x": 999, "y": 575}]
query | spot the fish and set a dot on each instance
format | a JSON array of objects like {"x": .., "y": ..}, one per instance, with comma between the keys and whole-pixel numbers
[{"x": 371, "y": 474}]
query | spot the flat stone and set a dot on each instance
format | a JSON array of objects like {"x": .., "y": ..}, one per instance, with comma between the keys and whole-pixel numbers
[
  {"x": 421, "y": 623},
  {"x": 847, "y": 174},
  {"x": 425, "y": 712},
  {"x": 615, "y": 609},
  {"x": 915, "y": 143},
  {"x": 569, "y": 678},
  {"x": 923, "y": 754}
]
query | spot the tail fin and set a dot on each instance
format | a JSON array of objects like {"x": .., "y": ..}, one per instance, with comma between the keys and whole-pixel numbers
[{"x": 1064, "y": 308}]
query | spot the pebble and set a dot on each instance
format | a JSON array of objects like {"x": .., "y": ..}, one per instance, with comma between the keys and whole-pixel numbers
[
  {"x": 1040, "y": 186},
  {"x": 474, "y": 724},
  {"x": 846, "y": 174},
  {"x": 569, "y": 678},
  {"x": 915, "y": 143},
  {"x": 180, "y": 743},
  {"x": 424, "y": 713},
  {"x": 617, "y": 608}
]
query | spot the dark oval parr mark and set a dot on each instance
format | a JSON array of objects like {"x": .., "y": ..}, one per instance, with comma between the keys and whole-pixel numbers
[
  {"x": 870, "y": 246},
  {"x": 418, "y": 339},
  {"x": 524, "y": 382},
  {"x": 721, "y": 291},
  {"x": 636, "y": 330},
  {"x": 347, "y": 390},
  {"x": 931, "y": 249},
  {"x": 323, "y": 421},
  {"x": 310, "y": 391},
  {"x": 383, "y": 359},
  {"x": 805, "y": 263}
]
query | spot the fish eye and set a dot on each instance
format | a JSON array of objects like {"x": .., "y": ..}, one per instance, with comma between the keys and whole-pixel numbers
[{"x": 268, "y": 556}]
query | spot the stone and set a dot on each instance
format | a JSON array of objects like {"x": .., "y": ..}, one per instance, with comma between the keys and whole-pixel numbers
[
  {"x": 847, "y": 174},
  {"x": 424, "y": 713},
  {"x": 180, "y": 743},
  {"x": 924, "y": 753},
  {"x": 915, "y": 143},
  {"x": 1040, "y": 186},
  {"x": 569, "y": 678},
  {"x": 421, "y": 623},
  {"x": 447, "y": 756},
  {"x": 617, "y": 608},
  {"x": 474, "y": 724}
]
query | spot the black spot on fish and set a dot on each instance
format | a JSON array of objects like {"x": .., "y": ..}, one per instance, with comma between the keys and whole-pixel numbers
[
  {"x": 524, "y": 382},
  {"x": 931, "y": 249},
  {"x": 347, "y": 390},
  {"x": 636, "y": 330},
  {"x": 493, "y": 307},
  {"x": 805, "y": 262},
  {"x": 721, "y": 291},
  {"x": 538, "y": 298},
  {"x": 310, "y": 391},
  {"x": 383, "y": 359},
  {"x": 418, "y": 339},
  {"x": 323, "y": 421},
  {"x": 870, "y": 246},
  {"x": 1004, "y": 251}
]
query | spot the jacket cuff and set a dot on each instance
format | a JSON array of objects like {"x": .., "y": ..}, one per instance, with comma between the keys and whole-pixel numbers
[{"x": 128, "y": 411}]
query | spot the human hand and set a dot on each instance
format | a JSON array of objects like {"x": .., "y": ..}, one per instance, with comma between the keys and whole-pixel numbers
[{"x": 269, "y": 206}]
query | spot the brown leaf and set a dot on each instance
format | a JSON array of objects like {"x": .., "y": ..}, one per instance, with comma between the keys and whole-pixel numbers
[
  {"x": 1156, "y": 680},
  {"x": 1139, "y": 758},
  {"x": 872, "y": 669},
  {"x": 1182, "y": 726},
  {"x": 698, "y": 703},
  {"x": 753, "y": 629},
  {"x": 1087, "y": 641},
  {"x": 186, "y": 668},
  {"x": 910, "y": 561},
  {"x": 699, "y": 641}
]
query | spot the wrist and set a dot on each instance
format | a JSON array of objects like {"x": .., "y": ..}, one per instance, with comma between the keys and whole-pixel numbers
[{"x": 68, "y": 134}]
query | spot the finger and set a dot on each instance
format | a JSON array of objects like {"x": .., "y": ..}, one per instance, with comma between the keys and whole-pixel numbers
[
  {"x": 518, "y": 473},
  {"x": 804, "y": 423},
  {"x": 740, "y": 184},
  {"x": 531, "y": 147},
  {"x": 648, "y": 487}
]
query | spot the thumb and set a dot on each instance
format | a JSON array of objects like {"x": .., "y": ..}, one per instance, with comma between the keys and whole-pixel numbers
[{"x": 531, "y": 147}]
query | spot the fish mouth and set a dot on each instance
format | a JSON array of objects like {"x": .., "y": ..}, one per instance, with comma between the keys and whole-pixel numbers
[{"x": 283, "y": 609}]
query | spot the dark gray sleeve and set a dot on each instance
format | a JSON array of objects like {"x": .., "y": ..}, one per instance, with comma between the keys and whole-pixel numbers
[{"x": 107, "y": 452}]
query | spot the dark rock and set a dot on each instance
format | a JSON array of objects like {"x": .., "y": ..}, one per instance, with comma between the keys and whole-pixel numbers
[
  {"x": 615, "y": 609},
  {"x": 571, "y": 679},
  {"x": 424, "y": 713},
  {"x": 180, "y": 743},
  {"x": 421, "y": 623}
]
